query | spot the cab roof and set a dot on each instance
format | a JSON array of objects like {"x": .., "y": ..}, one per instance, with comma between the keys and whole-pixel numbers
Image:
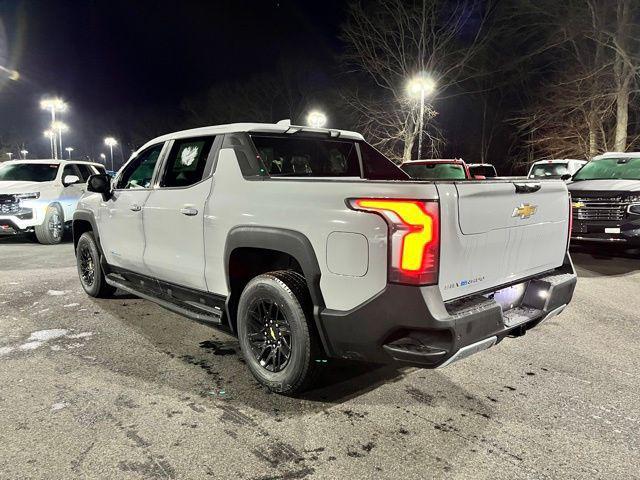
[{"x": 282, "y": 126}]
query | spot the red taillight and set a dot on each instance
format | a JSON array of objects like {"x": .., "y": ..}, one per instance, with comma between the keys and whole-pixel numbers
[{"x": 414, "y": 237}]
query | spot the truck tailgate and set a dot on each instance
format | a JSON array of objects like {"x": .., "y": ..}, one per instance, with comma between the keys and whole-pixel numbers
[{"x": 497, "y": 232}]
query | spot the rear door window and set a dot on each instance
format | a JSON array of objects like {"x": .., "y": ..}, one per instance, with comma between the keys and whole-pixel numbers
[{"x": 187, "y": 162}]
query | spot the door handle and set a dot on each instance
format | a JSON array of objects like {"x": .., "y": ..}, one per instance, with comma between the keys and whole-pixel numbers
[
  {"x": 189, "y": 211},
  {"x": 134, "y": 207},
  {"x": 527, "y": 187}
]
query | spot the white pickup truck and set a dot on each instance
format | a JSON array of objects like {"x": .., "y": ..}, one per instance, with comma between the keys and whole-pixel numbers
[
  {"x": 40, "y": 196},
  {"x": 309, "y": 244}
]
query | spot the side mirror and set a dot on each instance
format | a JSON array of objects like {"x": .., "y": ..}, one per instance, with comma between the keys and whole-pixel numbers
[
  {"x": 100, "y": 183},
  {"x": 566, "y": 176},
  {"x": 479, "y": 177},
  {"x": 70, "y": 180}
]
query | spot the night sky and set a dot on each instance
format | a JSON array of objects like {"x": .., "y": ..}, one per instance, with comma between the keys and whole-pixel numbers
[{"x": 111, "y": 59}]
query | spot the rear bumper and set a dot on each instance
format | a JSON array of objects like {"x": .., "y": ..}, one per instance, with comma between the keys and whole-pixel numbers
[{"x": 414, "y": 326}]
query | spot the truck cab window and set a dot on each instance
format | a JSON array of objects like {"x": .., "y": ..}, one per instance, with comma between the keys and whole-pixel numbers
[
  {"x": 187, "y": 162},
  {"x": 139, "y": 172}
]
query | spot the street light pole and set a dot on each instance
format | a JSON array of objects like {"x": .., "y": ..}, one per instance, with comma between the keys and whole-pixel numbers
[
  {"x": 50, "y": 135},
  {"x": 24, "y": 152},
  {"x": 421, "y": 123},
  {"x": 54, "y": 105},
  {"x": 69, "y": 150},
  {"x": 59, "y": 127},
  {"x": 110, "y": 142}
]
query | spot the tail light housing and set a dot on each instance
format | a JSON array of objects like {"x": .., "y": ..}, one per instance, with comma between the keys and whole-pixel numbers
[{"x": 414, "y": 237}]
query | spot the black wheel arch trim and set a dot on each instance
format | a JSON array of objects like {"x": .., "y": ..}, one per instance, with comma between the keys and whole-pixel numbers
[{"x": 290, "y": 242}]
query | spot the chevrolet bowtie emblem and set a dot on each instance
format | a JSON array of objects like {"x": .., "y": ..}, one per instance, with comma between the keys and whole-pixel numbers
[
  {"x": 524, "y": 211},
  {"x": 578, "y": 204}
]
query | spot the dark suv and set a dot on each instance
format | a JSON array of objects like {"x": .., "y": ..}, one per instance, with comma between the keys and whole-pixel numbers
[{"x": 606, "y": 200}]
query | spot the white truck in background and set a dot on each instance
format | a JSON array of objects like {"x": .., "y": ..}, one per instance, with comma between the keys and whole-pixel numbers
[
  {"x": 40, "y": 196},
  {"x": 309, "y": 244}
]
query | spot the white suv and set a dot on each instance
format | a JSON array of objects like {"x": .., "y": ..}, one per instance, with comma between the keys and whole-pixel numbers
[
  {"x": 309, "y": 244},
  {"x": 41, "y": 195}
]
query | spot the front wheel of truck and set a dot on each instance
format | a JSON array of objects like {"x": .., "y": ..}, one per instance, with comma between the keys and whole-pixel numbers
[
  {"x": 90, "y": 269},
  {"x": 276, "y": 332}
]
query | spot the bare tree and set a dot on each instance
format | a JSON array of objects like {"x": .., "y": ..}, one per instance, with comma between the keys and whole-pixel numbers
[
  {"x": 582, "y": 108},
  {"x": 390, "y": 41}
]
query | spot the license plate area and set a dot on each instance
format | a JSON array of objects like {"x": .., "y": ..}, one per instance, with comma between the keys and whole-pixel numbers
[{"x": 509, "y": 297}]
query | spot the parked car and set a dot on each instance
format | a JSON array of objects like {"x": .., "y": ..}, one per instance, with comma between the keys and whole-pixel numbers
[
  {"x": 436, "y": 169},
  {"x": 484, "y": 170},
  {"x": 40, "y": 196},
  {"x": 309, "y": 244},
  {"x": 564, "y": 168},
  {"x": 606, "y": 200}
]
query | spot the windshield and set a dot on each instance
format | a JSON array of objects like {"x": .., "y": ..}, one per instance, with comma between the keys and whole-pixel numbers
[
  {"x": 610, "y": 169},
  {"x": 549, "y": 170},
  {"x": 435, "y": 171},
  {"x": 28, "y": 172}
]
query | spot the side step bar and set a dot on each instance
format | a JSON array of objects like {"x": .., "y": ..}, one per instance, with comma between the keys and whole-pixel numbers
[{"x": 208, "y": 316}]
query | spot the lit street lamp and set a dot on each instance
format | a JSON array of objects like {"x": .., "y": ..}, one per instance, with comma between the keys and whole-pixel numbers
[
  {"x": 103, "y": 157},
  {"x": 421, "y": 85},
  {"x": 54, "y": 105},
  {"x": 59, "y": 127},
  {"x": 111, "y": 142},
  {"x": 316, "y": 119},
  {"x": 9, "y": 154},
  {"x": 24, "y": 152},
  {"x": 69, "y": 150}
]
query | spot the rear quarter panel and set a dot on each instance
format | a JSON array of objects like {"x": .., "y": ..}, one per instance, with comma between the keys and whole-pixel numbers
[{"x": 314, "y": 207}]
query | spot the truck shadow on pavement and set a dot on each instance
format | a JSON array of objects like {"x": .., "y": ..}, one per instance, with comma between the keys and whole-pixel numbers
[
  {"x": 604, "y": 260},
  {"x": 218, "y": 371}
]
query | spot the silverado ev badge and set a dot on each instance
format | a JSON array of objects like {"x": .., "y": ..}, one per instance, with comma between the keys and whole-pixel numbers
[{"x": 524, "y": 211}]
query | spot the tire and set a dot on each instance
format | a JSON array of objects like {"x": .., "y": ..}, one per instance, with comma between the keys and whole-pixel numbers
[
  {"x": 90, "y": 269},
  {"x": 288, "y": 291},
  {"x": 51, "y": 231}
]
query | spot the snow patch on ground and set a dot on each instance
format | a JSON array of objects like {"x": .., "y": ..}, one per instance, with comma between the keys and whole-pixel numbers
[
  {"x": 71, "y": 305},
  {"x": 44, "y": 335},
  {"x": 80, "y": 335},
  {"x": 58, "y": 406},
  {"x": 57, "y": 293},
  {"x": 30, "y": 345},
  {"x": 41, "y": 337}
]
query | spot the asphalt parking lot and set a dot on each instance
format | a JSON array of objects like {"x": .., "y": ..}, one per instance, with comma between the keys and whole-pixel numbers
[{"x": 124, "y": 389}]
